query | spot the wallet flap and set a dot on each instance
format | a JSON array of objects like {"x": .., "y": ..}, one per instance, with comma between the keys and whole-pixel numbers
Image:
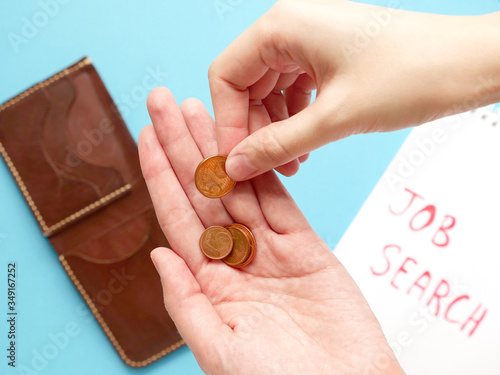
[
  {"x": 67, "y": 172},
  {"x": 126, "y": 298}
]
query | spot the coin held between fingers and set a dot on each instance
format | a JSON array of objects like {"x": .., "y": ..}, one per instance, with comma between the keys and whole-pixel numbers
[{"x": 211, "y": 178}]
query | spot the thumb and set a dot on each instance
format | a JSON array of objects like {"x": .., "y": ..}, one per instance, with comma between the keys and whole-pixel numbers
[
  {"x": 281, "y": 142},
  {"x": 190, "y": 309}
]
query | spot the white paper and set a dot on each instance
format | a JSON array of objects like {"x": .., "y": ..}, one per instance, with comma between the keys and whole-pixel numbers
[{"x": 453, "y": 164}]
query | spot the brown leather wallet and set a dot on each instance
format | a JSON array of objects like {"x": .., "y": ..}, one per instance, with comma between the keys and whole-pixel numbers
[{"x": 77, "y": 166}]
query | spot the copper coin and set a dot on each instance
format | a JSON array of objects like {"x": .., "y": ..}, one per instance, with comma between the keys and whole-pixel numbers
[
  {"x": 216, "y": 242},
  {"x": 211, "y": 178},
  {"x": 253, "y": 245},
  {"x": 243, "y": 246}
]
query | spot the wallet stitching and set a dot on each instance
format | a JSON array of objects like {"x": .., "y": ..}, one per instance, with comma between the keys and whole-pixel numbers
[
  {"x": 91, "y": 207},
  {"x": 22, "y": 186},
  {"x": 86, "y": 61},
  {"x": 106, "y": 328},
  {"x": 67, "y": 220}
]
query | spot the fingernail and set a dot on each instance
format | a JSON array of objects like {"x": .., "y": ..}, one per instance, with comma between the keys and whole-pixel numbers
[
  {"x": 239, "y": 168},
  {"x": 152, "y": 255}
]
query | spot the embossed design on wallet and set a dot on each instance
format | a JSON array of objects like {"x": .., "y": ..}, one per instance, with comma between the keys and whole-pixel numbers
[
  {"x": 81, "y": 184},
  {"x": 106, "y": 329}
]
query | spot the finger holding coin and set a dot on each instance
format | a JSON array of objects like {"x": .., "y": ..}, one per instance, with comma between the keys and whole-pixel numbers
[
  {"x": 177, "y": 133},
  {"x": 211, "y": 178}
]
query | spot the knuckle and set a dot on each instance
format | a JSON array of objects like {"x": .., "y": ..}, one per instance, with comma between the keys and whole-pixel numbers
[
  {"x": 212, "y": 71},
  {"x": 273, "y": 149}
]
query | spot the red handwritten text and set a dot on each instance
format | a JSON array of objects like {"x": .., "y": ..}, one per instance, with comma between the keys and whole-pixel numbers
[
  {"x": 404, "y": 273},
  {"x": 422, "y": 215}
]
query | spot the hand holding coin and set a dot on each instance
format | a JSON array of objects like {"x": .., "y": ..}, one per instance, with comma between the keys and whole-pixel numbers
[{"x": 294, "y": 308}]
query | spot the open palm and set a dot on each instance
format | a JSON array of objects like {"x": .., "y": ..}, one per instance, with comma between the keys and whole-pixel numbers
[{"x": 294, "y": 309}]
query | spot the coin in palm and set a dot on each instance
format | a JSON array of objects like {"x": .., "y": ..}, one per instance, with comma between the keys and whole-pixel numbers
[{"x": 216, "y": 242}]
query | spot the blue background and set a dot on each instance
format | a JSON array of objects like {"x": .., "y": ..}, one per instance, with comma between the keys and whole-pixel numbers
[{"x": 126, "y": 40}]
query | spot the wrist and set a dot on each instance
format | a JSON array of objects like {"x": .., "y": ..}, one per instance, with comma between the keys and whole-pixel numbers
[
  {"x": 492, "y": 68},
  {"x": 471, "y": 63}
]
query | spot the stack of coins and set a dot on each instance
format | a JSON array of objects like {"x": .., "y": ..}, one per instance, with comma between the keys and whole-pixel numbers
[{"x": 234, "y": 244}]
